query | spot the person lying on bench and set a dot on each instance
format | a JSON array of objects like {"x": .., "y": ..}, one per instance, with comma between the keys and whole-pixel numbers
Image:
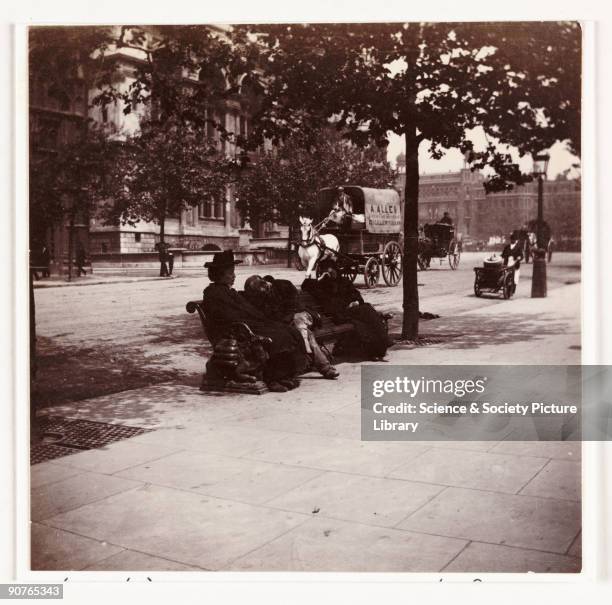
[
  {"x": 340, "y": 299},
  {"x": 279, "y": 300},
  {"x": 224, "y": 306}
]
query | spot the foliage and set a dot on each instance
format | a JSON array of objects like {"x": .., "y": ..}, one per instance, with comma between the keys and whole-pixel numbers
[
  {"x": 181, "y": 88},
  {"x": 186, "y": 72},
  {"x": 283, "y": 184},
  {"x": 67, "y": 181},
  {"x": 163, "y": 169},
  {"x": 519, "y": 81},
  {"x": 62, "y": 57}
]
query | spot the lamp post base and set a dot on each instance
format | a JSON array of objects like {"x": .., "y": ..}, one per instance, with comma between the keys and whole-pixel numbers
[{"x": 538, "y": 280}]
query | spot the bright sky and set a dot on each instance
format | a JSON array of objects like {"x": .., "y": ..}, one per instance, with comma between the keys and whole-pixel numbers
[{"x": 560, "y": 158}]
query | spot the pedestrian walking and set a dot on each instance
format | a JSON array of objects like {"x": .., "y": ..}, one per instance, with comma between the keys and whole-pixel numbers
[
  {"x": 163, "y": 259},
  {"x": 45, "y": 261},
  {"x": 170, "y": 256},
  {"x": 80, "y": 259},
  {"x": 512, "y": 256}
]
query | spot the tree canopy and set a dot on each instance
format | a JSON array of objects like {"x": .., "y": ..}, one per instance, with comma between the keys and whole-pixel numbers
[
  {"x": 164, "y": 168},
  {"x": 283, "y": 184}
]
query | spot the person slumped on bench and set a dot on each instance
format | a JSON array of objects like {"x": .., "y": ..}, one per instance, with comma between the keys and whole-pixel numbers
[
  {"x": 224, "y": 306},
  {"x": 279, "y": 300},
  {"x": 340, "y": 299}
]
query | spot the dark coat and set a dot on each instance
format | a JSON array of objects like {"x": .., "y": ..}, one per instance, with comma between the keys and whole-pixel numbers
[
  {"x": 224, "y": 306},
  {"x": 335, "y": 296},
  {"x": 514, "y": 251}
]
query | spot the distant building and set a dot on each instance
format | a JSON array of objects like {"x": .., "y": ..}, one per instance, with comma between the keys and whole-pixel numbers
[
  {"x": 56, "y": 118},
  {"x": 479, "y": 216}
]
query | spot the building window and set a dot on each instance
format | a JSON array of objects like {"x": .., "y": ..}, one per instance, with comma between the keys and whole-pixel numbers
[
  {"x": 211, "y": 209},
  {"x": 137, "y": 237}
]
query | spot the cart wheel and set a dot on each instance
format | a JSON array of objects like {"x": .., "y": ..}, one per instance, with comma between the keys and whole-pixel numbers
[
  {"x": 477, "y": 290},
  {"x": 392, "y": 263},
  {"x": 423, "y": 261},
  {"x": 454, "y": 254},
  {"x": 371, "y": 272},
  {"x": 508, "y": 287}
]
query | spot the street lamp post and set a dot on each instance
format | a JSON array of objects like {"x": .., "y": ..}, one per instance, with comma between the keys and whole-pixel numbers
[{"x": 538, "y": 280}]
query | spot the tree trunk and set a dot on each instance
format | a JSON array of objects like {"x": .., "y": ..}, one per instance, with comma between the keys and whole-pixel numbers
[
  {"x": 410, "y": 325},
  {"x": 162, "y": 227},
  {"x": 70, "y": 244},
  {"x": 289, "y": 241},
  {"x": 34, "y": 427}
]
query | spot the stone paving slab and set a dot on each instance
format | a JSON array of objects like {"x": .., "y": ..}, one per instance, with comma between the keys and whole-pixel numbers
[
  {"x": 568, "y": 450},
  {"x": 212, "y": 439},
  {"x": 492, "y": 558},
  {"x": 337, "y": 454},
  {"x": 53, "y": 498},
  {"x": 50, "y": 472},
  {"x": 130, "y": 560},
  {"x": 162, "y": 405},
  {"x": 188, "y": 528},
  {"x": 302, "y": 421},
  {"x": 115, "y": 457},
  {"x": 53, "y": 549},
  {"x": 558, "y": 479},
  {"x": 478, "y": 470},
  {"x": 237, "y": 479},
  {"x": 374, "y": 501},
  {"x": 515, "y": 520},
  {"x": 331, "y": 545}
]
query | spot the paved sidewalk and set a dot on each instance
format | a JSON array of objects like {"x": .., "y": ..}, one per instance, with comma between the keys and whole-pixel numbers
[{"x": 283, "y": 482}]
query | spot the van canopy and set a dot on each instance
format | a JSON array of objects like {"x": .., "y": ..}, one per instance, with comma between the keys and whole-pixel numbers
[{"x": 382, "y": 207}]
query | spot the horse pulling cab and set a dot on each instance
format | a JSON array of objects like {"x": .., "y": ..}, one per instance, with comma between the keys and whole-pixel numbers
[{"x": 360, "y": 227}]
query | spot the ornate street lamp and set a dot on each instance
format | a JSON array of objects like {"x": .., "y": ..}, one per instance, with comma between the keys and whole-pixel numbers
[{"x": 538, "y": 280}]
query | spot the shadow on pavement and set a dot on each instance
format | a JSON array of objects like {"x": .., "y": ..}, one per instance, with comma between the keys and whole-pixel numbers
[{"x": 472, "y": 330}]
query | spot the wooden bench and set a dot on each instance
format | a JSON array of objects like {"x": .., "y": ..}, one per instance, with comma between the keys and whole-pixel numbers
[{"x": 326, "y": 332}]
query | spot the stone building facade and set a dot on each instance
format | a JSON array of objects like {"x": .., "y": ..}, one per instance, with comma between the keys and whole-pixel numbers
[
  {"x": 481, "y": 216},
  {"x": 56, "y": 118}
]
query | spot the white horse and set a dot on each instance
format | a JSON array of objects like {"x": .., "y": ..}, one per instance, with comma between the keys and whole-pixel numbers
[{"x": 314, "y": 247}]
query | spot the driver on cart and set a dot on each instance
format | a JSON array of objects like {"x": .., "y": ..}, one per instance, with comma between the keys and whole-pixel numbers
[
  {"x": 344, "y": 203},
  {"x": 446, "y": 219}
]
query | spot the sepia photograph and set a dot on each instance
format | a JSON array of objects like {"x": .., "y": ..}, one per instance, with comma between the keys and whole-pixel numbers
[{"x": 232, "y": 226}]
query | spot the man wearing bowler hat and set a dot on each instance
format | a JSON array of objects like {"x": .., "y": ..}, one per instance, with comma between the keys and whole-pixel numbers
[{"x": 224, "y": 306}]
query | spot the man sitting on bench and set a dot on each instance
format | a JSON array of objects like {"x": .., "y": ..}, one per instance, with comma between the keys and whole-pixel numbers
[
  {"x": 340, "y": 299},
  {"x": 224, "y": 306},
  {"x": 279, "y": 300}
]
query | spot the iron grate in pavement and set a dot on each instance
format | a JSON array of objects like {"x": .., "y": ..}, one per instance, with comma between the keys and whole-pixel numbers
[{"x": 62, "y": 437}]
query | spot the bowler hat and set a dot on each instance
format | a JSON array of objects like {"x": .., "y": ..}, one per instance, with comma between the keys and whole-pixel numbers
[{"x": 223, "y": 259}]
